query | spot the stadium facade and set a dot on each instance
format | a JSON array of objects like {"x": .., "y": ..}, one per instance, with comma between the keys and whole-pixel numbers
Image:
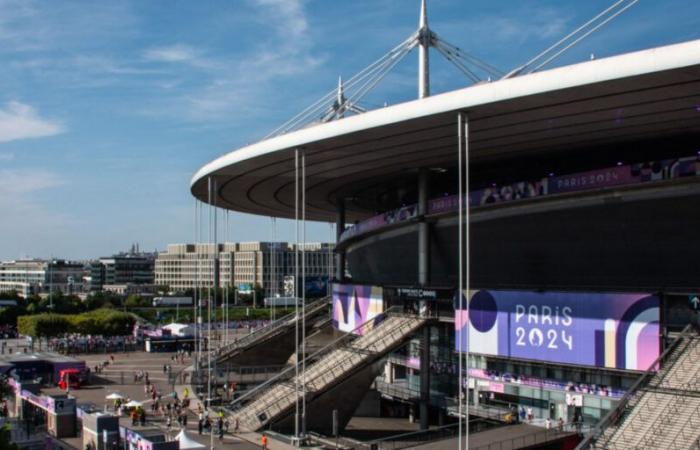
[{"x": 583, "y": 188}]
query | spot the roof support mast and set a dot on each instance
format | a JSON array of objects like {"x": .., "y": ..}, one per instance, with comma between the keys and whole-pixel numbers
[{"x": 424, "y": 42}]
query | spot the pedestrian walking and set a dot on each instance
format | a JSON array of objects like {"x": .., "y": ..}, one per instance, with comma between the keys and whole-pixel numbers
[
  {"x": 220, "y": 427},
  {"x": 200, "y": 425},
  {"x": 263, "y": 441}
]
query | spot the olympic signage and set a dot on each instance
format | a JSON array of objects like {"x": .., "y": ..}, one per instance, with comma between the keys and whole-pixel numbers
[{"x": 615, "y": 330}]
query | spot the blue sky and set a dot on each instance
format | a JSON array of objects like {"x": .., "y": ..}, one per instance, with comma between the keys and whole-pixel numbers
[{"x": 108, "y": 108}]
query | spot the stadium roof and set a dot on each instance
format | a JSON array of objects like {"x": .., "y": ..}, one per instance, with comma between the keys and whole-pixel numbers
[{"x": 649, "y": 93}]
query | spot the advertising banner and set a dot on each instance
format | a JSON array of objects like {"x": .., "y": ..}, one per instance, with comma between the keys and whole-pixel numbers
[
  {"x": 615, "y": 330},
  {"x": 354, "y": 305}
]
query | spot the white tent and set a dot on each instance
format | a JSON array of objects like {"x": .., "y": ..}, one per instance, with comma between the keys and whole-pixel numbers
[
  {"x": 179, "y": 329},
  {"x": 187, "y": 442}
]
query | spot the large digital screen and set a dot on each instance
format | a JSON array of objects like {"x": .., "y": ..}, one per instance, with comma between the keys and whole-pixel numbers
[
  {"x": 615, "y": 330},
  {"x": 354, "y": 305}
]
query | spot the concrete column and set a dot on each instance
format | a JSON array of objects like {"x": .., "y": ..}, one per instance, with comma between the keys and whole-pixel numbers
[
  {"x": 423, "y": 229},
  {"x": 340, "y": 255},
  {"x": 425, "y": 378}
]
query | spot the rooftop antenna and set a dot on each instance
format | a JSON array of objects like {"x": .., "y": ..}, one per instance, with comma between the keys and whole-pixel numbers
[{"x": 340, "y": 98}]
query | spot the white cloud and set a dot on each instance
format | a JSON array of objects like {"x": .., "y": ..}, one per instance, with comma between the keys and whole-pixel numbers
[
  {"x": 172, "y": 53},
  {"x": 6, "y": 157},
  {"x": 287, "y": 16},
  {"x": 20, "y": 121},
  {"x": 286, "y": 50},
  {"x": 19, "y": 182}
]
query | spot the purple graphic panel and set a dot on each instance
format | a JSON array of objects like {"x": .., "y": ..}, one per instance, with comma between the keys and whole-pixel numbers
[
  {"x": 354, "y": 305},
  {"x": 615, "y": 330}
]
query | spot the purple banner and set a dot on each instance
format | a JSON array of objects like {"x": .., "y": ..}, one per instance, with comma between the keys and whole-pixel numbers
[
  {"x": 594, "y": 179},
  {"x": 606, "y": 330},
  {"x": 354, "y": 305},
  {"x": 613, "y": 176}
]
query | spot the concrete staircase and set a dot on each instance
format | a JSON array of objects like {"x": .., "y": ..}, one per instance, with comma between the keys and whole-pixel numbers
[
  {"x": 665, "y": 414},
  {"x": 276, "y": 329},
  {"x": 324, "y": 370}
]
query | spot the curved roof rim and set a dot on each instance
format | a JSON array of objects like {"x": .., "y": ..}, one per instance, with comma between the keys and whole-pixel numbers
[{"x": 642, "y": 62}]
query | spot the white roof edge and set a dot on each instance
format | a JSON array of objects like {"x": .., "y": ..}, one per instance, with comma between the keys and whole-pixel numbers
[{"x": 652, "y": 60}]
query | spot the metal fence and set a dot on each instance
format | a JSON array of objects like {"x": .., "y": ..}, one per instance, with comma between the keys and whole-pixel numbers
[{"x": 525, "y": 441}]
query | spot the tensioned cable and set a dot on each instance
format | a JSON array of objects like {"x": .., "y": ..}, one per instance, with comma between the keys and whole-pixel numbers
[
  {"x": 229, "y": 273},
  {"x": 303, "y": 291},
  {"x": 467, "y": 58},
  {"x": 196, "y": 281},
  {"x": 460, "y": 291},
  {"x": 458, "y": 64},
  {"x": 296, "y": 291},
  {"x": 467, "y": 264},
  {"x": 471, "y": 59},
  {"x": 209, "y": 297},
  {"x": 368, "y": 87},
  {"x": 563, "y": 40},
  {"x": 585, "y": 35},
  {"x": 311, "y": 109},
  {"x": 371, "y": 79}
]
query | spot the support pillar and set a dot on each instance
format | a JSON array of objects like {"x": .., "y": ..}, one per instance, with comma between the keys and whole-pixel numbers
[
  {"x": 423, "y": 229},
  {"x": 340, "y": 255},
  {"x": 425, "y": 378},
  {"x": 423, "y": 281}
]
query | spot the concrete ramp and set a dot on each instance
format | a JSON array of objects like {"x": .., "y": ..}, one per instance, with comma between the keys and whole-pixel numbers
[{"x": 337, "y": 377}]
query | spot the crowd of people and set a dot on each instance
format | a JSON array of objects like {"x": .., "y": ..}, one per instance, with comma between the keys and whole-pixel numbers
[
  {"x": 74, "y": 344},
  {"x": 8, "y": 331},
  {"x": 569, "y": 386},
  {"x": 204, "y": 424}
]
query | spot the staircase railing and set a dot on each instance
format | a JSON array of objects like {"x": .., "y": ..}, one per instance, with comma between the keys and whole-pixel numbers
[
  {"x": 615, "y": 415},
  {"x": 286, "y": 374},
  {"x": 311, "y": 308}
]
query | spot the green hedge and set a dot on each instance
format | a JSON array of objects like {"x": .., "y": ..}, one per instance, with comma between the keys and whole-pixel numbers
[{"x": 106, "y": 322}]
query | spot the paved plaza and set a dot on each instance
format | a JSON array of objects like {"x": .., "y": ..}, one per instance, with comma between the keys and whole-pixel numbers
[{"x": 123, "y": 368}]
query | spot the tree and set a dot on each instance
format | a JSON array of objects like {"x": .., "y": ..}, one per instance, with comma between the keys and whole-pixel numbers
[
  {"x": 134, "y": 301},
  {"x": 12, "y": 294}
]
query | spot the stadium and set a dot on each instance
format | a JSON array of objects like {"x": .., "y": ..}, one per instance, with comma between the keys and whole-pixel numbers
[{"x": 579, "y": 274}]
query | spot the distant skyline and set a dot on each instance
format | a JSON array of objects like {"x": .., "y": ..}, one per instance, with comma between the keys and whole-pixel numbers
[{"x": 107, "y": 109}]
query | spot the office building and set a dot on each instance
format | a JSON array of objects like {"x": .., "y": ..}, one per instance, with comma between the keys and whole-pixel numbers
[{"x": 243, "y": 265}]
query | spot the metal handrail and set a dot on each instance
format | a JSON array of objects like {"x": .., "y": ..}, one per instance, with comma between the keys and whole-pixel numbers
[
  {"x": 266, "y": 387},
  {"x": 618, "y": 412},
  {"x": 527, "y": 440},
  {"x": 349, "y": 336},
  {"x": 450, "y": 429},
  {"x": 314, "y": 306}
]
